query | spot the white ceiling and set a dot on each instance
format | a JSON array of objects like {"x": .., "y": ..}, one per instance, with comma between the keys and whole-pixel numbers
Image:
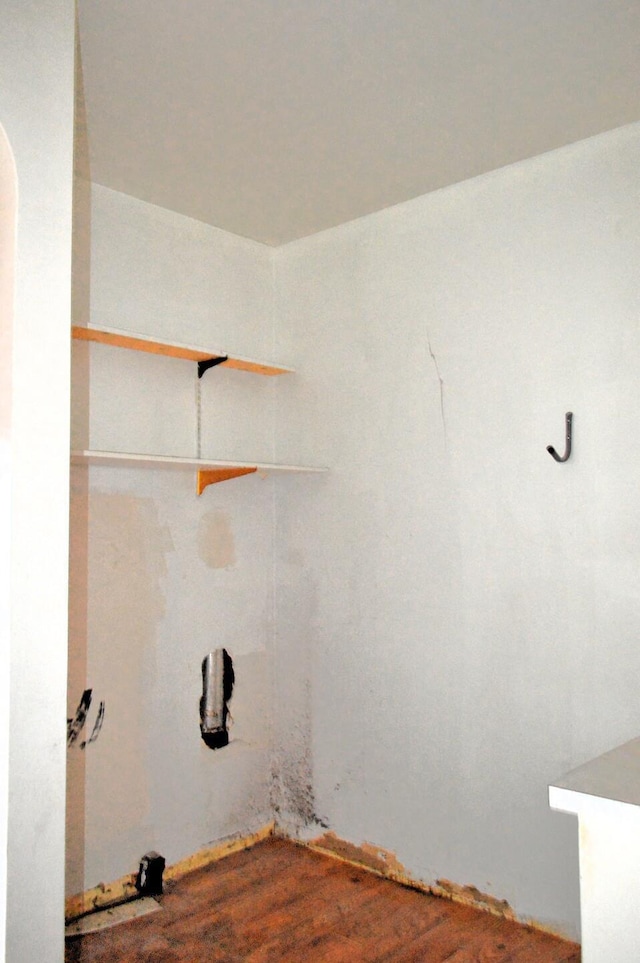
[{"x": 275, "y": 119}]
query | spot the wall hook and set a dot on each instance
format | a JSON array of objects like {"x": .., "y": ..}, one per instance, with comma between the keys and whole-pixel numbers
[{"x": 567, "y": 450}]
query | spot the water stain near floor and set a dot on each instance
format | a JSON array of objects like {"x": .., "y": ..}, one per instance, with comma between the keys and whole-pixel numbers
[
  {"x": 384, "y": 862},
  {"x": 372, "y": 857},
  {"x": 216, "y": 545},
  {"x": 472, "y": 896}
]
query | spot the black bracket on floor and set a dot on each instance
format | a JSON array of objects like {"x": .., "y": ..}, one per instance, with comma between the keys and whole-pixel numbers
[{"x": 210, "y": 363}]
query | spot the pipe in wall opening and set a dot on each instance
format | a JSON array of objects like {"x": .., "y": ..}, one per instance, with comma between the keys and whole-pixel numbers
[{"x": 218, "y": 678}]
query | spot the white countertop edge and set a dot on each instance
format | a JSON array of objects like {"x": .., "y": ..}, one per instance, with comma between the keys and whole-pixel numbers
[{"x": 612, "y": 778}]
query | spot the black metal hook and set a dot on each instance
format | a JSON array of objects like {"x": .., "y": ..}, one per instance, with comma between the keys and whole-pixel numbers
[{"x": 567, "y": 450}]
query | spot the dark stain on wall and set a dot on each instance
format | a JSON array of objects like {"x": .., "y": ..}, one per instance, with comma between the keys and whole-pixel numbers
[
  {"x": 97, "y": 726},
  {"x": 76, "y": 724}
]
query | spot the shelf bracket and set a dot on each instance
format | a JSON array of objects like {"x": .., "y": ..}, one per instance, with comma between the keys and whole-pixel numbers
[
  {"x": 212, "y": 475},
  {"x": 210, "y": 363}
]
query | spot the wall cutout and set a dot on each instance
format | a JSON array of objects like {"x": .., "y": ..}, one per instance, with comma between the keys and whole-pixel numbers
[
  {"x": 149, "y": 878},
  {"x": 218, "y": 678},
  {"x": 76, "y": 724}
]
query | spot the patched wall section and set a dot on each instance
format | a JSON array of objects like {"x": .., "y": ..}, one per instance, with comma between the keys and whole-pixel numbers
[{"x": 153, "y": 609}]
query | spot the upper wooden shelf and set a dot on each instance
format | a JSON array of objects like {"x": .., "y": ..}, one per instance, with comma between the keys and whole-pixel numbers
[{"x": 173, "y": 349}]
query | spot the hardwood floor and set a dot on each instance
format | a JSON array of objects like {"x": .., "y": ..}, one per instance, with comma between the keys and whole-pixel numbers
[{"x": 281, "y": 902}]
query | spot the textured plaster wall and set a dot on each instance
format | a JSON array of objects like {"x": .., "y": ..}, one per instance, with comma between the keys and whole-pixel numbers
[
  {"x": 465, "y": 610},
  {"x": 160, "y": 576}
]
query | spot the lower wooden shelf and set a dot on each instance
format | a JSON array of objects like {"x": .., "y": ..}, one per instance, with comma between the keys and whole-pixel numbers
[{"x": 209, "y": 471}]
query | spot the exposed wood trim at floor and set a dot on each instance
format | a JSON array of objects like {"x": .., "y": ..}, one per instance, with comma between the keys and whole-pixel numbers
[
  {"x": 373, "y": 859},
  {"x": 211, "y": 854},
  {"x": 120, "y": 890},
  {"x": 283, "y": 903},
  {"x": 384, "y": 863}
]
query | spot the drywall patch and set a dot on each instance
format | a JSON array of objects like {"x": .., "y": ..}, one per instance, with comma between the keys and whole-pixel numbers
[{"x": 216, "y": 545}]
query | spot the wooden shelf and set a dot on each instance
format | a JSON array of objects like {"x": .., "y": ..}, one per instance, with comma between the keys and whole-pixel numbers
[
  {"x": 209, "y": 471},
  {"x": 142, "y": 342}
]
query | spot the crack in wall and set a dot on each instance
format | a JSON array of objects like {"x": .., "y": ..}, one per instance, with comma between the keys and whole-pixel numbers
[{"x": 441, "y": 383}]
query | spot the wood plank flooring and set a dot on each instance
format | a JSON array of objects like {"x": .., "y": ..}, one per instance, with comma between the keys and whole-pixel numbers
[{"x": 281, "y": 902}]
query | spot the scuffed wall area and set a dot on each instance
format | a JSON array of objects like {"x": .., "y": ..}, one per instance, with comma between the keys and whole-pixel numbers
[
  {"x": 155, "y": 608},
  {"x": 466, "y": 608},
  {"x": 160, "y": 576},
  {"x": 294, "y": 798}
]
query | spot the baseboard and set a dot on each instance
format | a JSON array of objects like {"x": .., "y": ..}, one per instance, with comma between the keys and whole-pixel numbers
[
  {"x": 371, "y": 858},
  {"x": 384, "y": 863},
  {"x": 123, "y": 889}
]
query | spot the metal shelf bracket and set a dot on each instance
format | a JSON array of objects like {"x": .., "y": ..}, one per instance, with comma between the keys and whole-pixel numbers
[{"x": 210, "y": 363}]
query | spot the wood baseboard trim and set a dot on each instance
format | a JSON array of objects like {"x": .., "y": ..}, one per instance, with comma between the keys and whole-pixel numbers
[
  {"x": 123, "y": 889},
  {"x": 371, "y": 858},
  {"x": 217, "y": 851},
  {"x": 384, "y": 863}
]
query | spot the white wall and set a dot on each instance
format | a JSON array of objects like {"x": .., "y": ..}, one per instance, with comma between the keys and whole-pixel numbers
[
  {"x": 456, "y": 612},
  {"x": 161, "y": 577},
  {"x": 36, "y": 110},
  {"x": 8, "y": 216},
  {"x": 466, "y": 609}
]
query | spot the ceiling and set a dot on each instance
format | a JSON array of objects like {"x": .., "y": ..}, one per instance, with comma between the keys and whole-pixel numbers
[{"x": 275, "y": 119}]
